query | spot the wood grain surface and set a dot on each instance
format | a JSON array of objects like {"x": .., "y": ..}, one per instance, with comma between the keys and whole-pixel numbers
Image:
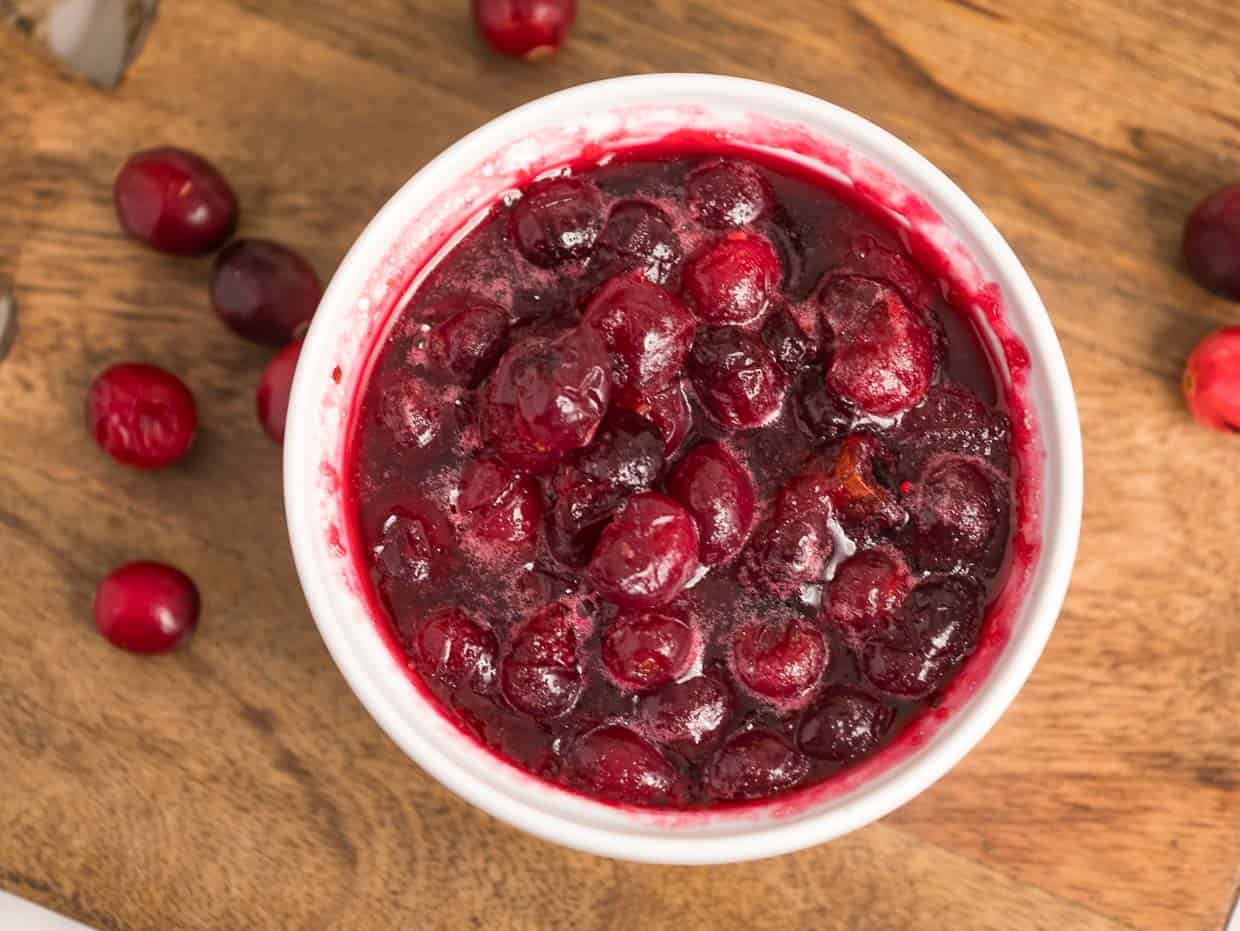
[{"x": 240, "y": 785}]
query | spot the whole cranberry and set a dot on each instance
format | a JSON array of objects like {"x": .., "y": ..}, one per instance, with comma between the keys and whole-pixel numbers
[
  {"x": 274, "y": 388},
  {"x": 146, "y": 607},
  {"x": 956, "y": 513},
  {"x": 719, "y": 493},
  {"x": 736, "y": 379},
  {"x": 541, "y": 674},
  {"x": 141, "y": 415},
  {"x": 583, "y": 506},
  {"x": 1212, "y": 242},
  {"x": 732, "y": 281},
  {"x": 780, "y": 659},
  {"x": 755, "y": 764},
  {"x": 174, "y": 201},
  {"x": 844, "y": 726},
  {"x": 647, "y": 330},
  {"x": 627, "y": 452},
  {"x": 647, "y": 555},
  {"x": 866, "y": 592},
  {"x": 412, "y": 411},
  {"x": 498, "y": 503},
  {"x": 727, "y": 192},
  {"x": 793, "y": 348},
  {"x": 415, "y": 543},
  {"x": 794, "y": 547},
  {"x": 952, "y": 419},
  {"x": 669, "y": 411},
  {"x": 644, "y": 651},
  {"x": 468, "y": 336},
  {"x": 527, "y": 29},
  {"x": 454, "y": 649},
  {"x": 614, "y": 763},
  {"x": 557, "y": 219},
  {"x": 1212, "y": 380},
  {"x": 639, "y": 238},
  {"x": 264, "y": 291},
  {"x": 689, "y": 715}
]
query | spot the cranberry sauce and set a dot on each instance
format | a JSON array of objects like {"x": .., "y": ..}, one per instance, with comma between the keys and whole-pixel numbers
[{"x": 679, "y": 482}]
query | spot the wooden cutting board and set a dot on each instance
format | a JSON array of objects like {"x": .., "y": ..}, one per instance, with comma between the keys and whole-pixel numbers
[{"x": 240, "y": 785}]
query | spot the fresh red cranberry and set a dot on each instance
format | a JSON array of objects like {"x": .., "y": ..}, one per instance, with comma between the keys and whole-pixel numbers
[
  {"x": 689, "y": 715},
  {"x": 1212, "y": 380},
  {"x": 558, "y": 219},
  {"x": 719, "y": 493},
  {"x": 864, "y": 506},
  {"x": 669, "y": 411},
  {"x": 647, "y": 555},
  {"x": 826, "y": 418},
  {"x": 844, "y": 726},
  {"x": 274, "y": 388},
  {"x": 451, "y": 647},
  {"x": 1212, "y": 242},
  {"x": 755, "y": 764},
  {"x": 793, "y": 348},
  {"x": 468, "y": 337},
  {"x": 736, "y": 379},
  {"x": 499, "y": 503},
  {"x": 955, "y": 512},
  {"x": 265, "y": 291},
  {"x": 627, "y": 452},
  {"x": 547, "y": 398},
  {"x": 647, "y": 331},
  {"x": 732, "y": 281},
  {"x": 780, "y": 659},
  {"x": 644, "y": 651},
  {"x": 175, "y": 201},
  {"x": 583, "y": 506},
  {"x": 867, "y": 591},
  {"x": 614, "y": 763},
  {"x": 952, "y": 419},
  {"x": 541, "y": 675},
  {"x": 141, "y": 415},
  {"x": 639, "y": 238},
  {"x": 726, "y": 192},
  {"x": 883, "y": 353},
  {"x": 525, "y": 28},
  {"x": 415, "y": 543},
  {"x": 412, "y": 412},
  {"x": 146, "y": 607}
]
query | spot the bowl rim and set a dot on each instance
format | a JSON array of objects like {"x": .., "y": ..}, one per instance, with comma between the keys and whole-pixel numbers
[{"x": 872, "y": 799}]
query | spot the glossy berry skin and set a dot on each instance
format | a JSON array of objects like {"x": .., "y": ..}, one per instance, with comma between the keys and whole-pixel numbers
[
  {"x": 736, "y": 379},
  {"x": 724, "y": 193},
  {"x": 732, "y": 281},
  {"x": 644, "y": 651},
  {"x": 639, "y": 239},
  {"x": 274, "y": 388},
  {"x": 541, "y": 675},
  {"x": 719, "y": 492},
  {"x": 583, "y": 506},
  {"x": 146, "y": 607},
  {"x": 647, "y": 554},
  {"x": 867, "y": 590},
  {"x": 499, "y": 503},
  {"x": 467, "y": 337},
  {"x": 141, "y": 415},
  {"x": 956, "y": 513},
  {"x": 688, "y": 716},
  {"x": 779, "y": 659},
  {"x": 1212, "y": 381},
  {"x": 557, "y": 220},
  {"x": 527, "y": 29},
  {"x": 174, "y": 201},
  {"x": 612, "y": 762},
  {"x": 844, "y": 726},
  {"x": 627, "y": 453},
  {"x": 1212, "y": 242},
  {"x": 265, "y": 292},
  {"x": 453, "y": 648},
  {"x": 669, "y": 411},
  {"x": 415, "y": 544},
  {"x": 755, "y": 764}
]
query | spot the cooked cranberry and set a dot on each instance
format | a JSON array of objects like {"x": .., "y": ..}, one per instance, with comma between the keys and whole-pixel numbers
[
  {"x": 468, "y": 337},
  {"x": 794, "y": 547},
  {"x": 639, "y": 238},
  {"x": 866, "y": 592},
  {"x": 146, "y": 607},
  {"x": 541, "y": 675},
  {"x": 499, "y": 503},
  {"x": 627, "y": 452},
  {"x": 883, "y": 354},
  {"x": 274, "y": 388},
  {"x": 614, "y": 763},
  {"x": 952, "y": 419},
  {"x": 175, "y": 201},
  {"x": 582, "y": 508},
  {"x": 865, "y": 507},
  {"x": 525, "y": 28},
  {"x": 547, "y": 398},
  {"x": 755, "y": 764},
  {"x": 668, "y": 410},
  {"x": 844, "y": 726},
  {"x": 719, "y": 493},
  {"x": 791, "y": 346},
  {"x": 265, "y": 291},
  {"x": 647, "y": 331},
  {"x": 1212, "y": 380},
  {"x": 687, "y": 715},
  {"x": 726, "y": 192},
  {"x": 870, "y": 258},
  {"x": 1212, "y": 242},
  {"x": 141, "y": 415},
  {"x": 732, "y": 281},
  {"x": 454, "y": 649},
  {"x": 557, "y": 219},
  {"x": 647, "y": 650},
  {"x": 647, "y": 555},
  {"x": 956, "y": 513},
  {"x": 414, "y": 543},
  {"x": 825, "y": 416},
  {"x": 736, "y": 379},
  {"x": 806, "y": 495},
  {"x": 412, "y": 411},
  {"x": 780, "y": 659}
]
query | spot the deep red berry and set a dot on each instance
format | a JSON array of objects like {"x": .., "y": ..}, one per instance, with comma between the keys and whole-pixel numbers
[
  {"x": 647, "y": 554},
  {"x": 639, "y": 238},
  {"x": 826, "y": 418},
  {"x": 793, "y": 348},
  {"x": 867, "y": 590},
  {"x": 498, "y": 503},
  {"x": 1212, "y": 380},
  {"x": 956, "y": 513},
  {"x": 412, "y": 412},
  {"x": 467, "y": 337},
  {"x": 732, "y": 281},
  {"x": 175, "y": 201},
  {"x": 726, "y": 193},
  {"x": 669, "y": 411},
  {"x": 146, "y": 607},
  {"x": 779, "y": 659},
  {"x": 844, "y": 726},
  {"x": 583, "y": 506},
  {"x": 453, "y": 648},
  {"x": 264, "y": 291},
  {"x": 614, "y": 763},
  {"x": 687, "y": 716},
  {"x": 755, "y": 764},
  {"x": 274, "y": 388},
  {"x": 952, "y": 419},
  {"x": 736, "y": 379},
  {"x": 644, "y": 651},
  {"x": 524, "y": 28},
  {"x": 719, "y": 492},
  {"x": 141, "y": 415},
  {"x": 415, "y": 543},
  {"x": 627, "y": 453},
  {"x": 541, "y": 675},
  {"x": 557, "y": 219},
  {"x": 1212, "y": 242}
]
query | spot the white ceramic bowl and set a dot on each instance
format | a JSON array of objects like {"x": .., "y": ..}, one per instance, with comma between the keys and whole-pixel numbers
[{"x": 422, "y": 219}]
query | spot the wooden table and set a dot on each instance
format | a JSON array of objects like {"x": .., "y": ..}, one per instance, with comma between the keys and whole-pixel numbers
[{"x": 240, "y": 785}]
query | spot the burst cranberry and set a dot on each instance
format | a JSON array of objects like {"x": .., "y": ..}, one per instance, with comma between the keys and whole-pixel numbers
[
  {"x": 454, "y": 649},
  {"x": 1212, "y": 242},
  {"x": 557, "y": 220},
  {"x": 755, "y": 764},
  {"x": 736, "y": 379},
  {"x": 499, "y": 503},
  {"x": 524, "y": 28},
  {"x": 541, "y": 675},
  {"x": 647, "y": 555},
  {"x": 955, "y": 512},
  {"x": 689, "y": 715},
  {"x": 264, "y": 291},
  {"x": 952, "y": 419},
  {"x": 794, "y": 547},
  {"x": 793, "y": 348},
  {"x": 719, "y": 493},
  {"x": 146, "y": 607},
  {"x": 468, "y": 337},
  {"x": 724, "y": 193},
  {"x": 732, "y": 282},
  {"x": 1212, "y": 380},
  {"x": 844, "y": 726},
  {"x": 825, "y": 417},
  {"x": 141, "y": 415},
  {"x": 412, "y": 412},
  {"x": 583, "y": 506},
  {"x": 614, "y": 763},
  {"x": 627, "y": 452},
  {"x": 780, "y": 659},
  {"x": 668, "y": 410},
  {"x": 865, "y": 507},
  {"x": 647, "y": 331},
  {"x": 639, "y": 238},
  {"x": 883, "y": 353},
  {"x": 175, "y": 201},
  {"x": 414, "y": 543},
  {"x": 866, "y": 591},
  {"x": 274, "y": 388},
  {"x": 647, "y": 650}
]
